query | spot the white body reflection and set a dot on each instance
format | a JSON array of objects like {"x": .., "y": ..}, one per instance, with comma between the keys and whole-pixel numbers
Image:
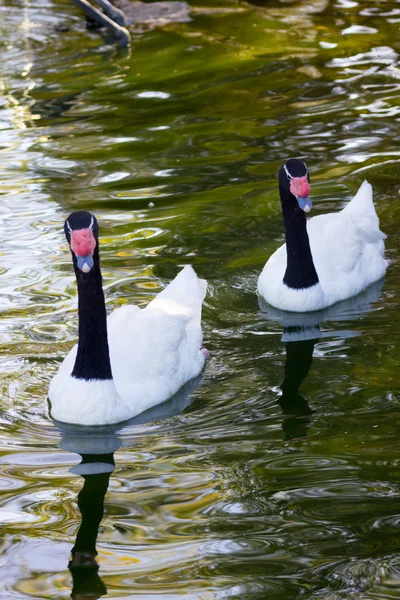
[
  {"x": 96, "y": 446},
  {"x": 300, "y": 335}
]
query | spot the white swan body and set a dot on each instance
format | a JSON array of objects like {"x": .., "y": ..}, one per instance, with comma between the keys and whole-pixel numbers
[
  {"x": 348, "y": 253},
  {"x": 153, "y": 352}
]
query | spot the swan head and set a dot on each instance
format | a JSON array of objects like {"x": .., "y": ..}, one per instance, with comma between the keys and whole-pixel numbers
[
  {"x": 81, "y": 231},
  {"x": 294, "y": 178}
]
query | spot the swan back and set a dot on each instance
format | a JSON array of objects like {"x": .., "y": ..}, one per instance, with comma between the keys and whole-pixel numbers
[{"x": 155, "y": 350}]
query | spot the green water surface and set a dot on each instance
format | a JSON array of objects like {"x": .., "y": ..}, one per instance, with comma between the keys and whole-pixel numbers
[{"x": 241, "y": 487}]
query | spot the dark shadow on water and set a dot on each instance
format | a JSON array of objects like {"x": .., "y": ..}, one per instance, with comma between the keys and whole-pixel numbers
[
  {"x": 348, "y": 310},
  {"x": 299, "y": 357},
  {"x": 83, "y": 566},
  {"x": 300, "y": 335},
  {"x": 96, "y": 447},
  {"x": 171, "y": 407}
]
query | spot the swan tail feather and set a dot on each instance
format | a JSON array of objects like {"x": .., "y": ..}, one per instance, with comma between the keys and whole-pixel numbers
[
  {"x": 363, "y": 201},
  {"x": 186, "y": 291},
  {"x": 363, "y": 210}
]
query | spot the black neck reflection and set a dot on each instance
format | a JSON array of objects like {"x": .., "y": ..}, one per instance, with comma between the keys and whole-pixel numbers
[
  {"x": 96, "y": 446},
  {"x": 299, "y": 358},
  {"x": 83, "y": 566}
]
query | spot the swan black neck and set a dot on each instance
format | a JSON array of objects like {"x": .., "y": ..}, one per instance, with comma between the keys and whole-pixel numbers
[
  {"x": 93, "y": 357},
  {"x": 300, "y": 270}
]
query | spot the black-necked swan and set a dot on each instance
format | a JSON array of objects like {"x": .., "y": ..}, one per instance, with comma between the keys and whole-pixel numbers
[
  {"x": 326, "y": 259},
  {"x": 136, "y": 358}
]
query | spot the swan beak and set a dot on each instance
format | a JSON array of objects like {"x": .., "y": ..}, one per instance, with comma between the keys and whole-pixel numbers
[
  {"x": 304, "y": 203},
  {"x": 85, "y": 263}
]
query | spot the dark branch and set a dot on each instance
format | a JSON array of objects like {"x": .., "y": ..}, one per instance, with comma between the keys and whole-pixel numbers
[{"x": 119, "y": 32}]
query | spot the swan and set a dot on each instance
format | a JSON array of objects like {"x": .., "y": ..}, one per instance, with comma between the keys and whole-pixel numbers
[
  {"x": 134, "y": 359},
  {"x": 326, "y": 259}
]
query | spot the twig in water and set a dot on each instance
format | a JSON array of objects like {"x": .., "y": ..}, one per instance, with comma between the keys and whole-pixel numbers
[{"x": 121, "y": 33}]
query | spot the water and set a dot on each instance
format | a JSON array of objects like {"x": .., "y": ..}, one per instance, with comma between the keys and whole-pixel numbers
[{"x": 277, "y": 474}]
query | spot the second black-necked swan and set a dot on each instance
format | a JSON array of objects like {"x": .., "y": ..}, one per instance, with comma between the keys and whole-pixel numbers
[{"x": 326, "y": 259}]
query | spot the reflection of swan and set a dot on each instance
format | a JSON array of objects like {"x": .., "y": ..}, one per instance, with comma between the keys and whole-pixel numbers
[
  {"x": 299, "y": 357},
  {"x": 83, "y": 565},
  {"x": 350, "y": 309},
  {"x": 301, "y": 333},
  {"x": 96, "y": 446}
]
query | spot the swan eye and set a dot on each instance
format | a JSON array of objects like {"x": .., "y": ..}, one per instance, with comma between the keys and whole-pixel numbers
[
  {"x": 70, "y": 231},
  {"x": 288, "y": 175}
]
